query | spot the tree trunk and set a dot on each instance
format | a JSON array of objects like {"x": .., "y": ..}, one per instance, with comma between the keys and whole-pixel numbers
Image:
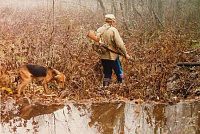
[
  {"x": 123, "y": 16},
  {"x": 102, "y": 6},
  {"x": 126, "y": 10},
  {"x": 156, "y": 19},
  {"x": 161, "y": 14},
  {"x": 114, "y": 8},
  {"x": 176, "y": 12}
]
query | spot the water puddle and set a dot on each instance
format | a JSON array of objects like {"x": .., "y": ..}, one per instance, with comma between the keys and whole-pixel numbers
[{"x": 105, "y": 118}]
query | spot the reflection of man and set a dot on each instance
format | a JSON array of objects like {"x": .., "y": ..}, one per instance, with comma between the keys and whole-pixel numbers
[
  {"x": 109, "y": 35},
  {"x": 108, "y": 116}
]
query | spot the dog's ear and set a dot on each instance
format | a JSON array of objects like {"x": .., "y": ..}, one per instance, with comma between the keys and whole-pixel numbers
[
  {"x": 56, "y": 71},
  {"x": 57, "y": 76}
]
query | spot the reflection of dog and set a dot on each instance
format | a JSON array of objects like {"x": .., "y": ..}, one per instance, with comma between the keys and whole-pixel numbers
[{"x": 40, "y": 73}]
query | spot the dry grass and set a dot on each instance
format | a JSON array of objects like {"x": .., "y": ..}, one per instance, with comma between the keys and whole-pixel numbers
[{"x": 35, "y": 36}]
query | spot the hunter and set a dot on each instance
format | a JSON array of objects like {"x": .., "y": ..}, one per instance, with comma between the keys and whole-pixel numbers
[{"x": 109, "y": 35}]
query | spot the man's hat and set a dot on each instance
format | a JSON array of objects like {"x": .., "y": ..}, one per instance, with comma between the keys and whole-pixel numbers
[{"x": 109, "y": 18}]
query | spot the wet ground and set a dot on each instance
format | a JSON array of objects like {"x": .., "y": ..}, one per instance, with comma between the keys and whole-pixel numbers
[{"x": 116, "y": 117}]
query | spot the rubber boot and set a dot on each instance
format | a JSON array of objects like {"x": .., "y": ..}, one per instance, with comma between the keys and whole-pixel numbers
[{"x": 106, "y": 83}]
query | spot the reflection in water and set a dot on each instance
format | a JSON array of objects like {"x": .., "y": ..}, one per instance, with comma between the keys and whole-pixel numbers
[
  {"x": 183, "y": 118},
  {"x": 108, "y": 118}
]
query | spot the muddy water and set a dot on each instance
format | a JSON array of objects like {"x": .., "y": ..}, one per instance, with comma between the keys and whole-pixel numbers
[{"x": 105, "y": 118}]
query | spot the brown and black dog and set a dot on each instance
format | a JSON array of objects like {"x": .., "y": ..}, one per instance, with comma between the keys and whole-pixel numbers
[{"x": 45, "y": 74}]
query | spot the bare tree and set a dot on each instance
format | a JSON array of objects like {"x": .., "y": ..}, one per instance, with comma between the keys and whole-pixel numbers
[
  {"x": 161, "y": 14},
  {"x": 102, "y": 6},
  {"x": 114, "y": 7}
]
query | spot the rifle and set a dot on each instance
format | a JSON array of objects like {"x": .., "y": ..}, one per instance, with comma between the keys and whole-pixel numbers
[{"x": 92, "y": 36}]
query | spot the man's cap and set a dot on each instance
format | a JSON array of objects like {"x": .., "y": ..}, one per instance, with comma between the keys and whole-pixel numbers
[{"x": 109, "y": 18}]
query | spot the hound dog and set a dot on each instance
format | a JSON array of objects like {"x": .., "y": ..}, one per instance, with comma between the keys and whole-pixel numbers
[{"x": 45, "y": 74}]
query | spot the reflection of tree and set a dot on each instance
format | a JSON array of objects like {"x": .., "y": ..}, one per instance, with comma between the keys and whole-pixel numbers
[
  {"x": 109, "y": 116},
  {"x": 149, "y": 116},
  {"x": 198, "y": 120},
  {"x": 182, "y": 118},
  {"x": 195, "y": 117},
  {"x": 113, "y": 117},
  {"x": 159, "y": 116}
]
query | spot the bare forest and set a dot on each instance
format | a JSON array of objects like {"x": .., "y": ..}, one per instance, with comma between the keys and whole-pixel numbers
[{"x": 158, "y": 34}]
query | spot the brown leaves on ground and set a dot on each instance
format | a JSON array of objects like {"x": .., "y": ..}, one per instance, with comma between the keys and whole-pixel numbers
[{"x": 31, "y": 36}]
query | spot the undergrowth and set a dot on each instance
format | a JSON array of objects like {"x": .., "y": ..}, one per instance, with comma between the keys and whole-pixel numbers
[{"x": 60, "y": 41}]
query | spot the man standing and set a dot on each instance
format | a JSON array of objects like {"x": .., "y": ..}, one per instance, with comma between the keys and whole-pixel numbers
[{"x": 109, "y": 35}]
